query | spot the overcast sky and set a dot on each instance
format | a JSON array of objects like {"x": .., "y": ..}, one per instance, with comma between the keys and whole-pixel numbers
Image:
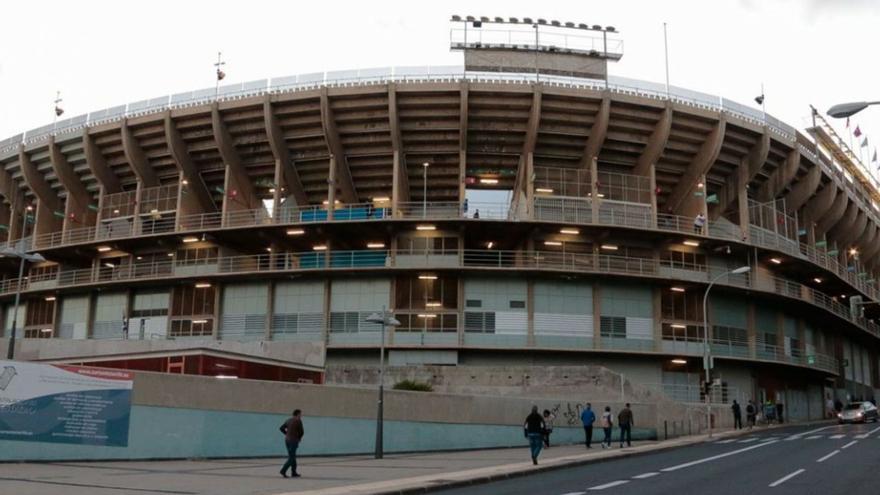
[{"x": 105, "y": 53}]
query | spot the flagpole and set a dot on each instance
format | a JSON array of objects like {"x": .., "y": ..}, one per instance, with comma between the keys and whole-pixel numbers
[{"x": 666, "y": 56}]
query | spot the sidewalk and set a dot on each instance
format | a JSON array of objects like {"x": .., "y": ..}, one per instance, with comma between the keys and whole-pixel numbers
[
  {"x": 467, "y": 468},
  {"x": 349, "y": 475}
]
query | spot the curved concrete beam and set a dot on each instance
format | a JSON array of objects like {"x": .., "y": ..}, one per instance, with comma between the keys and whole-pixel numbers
[
  {"x": 136, "y": 157},
  {"x": 698, "y": 167},
  {"x": 656, "y": 143},
  {"x": 781, "y": 177},
  {"x": 400, "y": 179},
  {"x": 239, "y": 176},
  {"x": 847, "y": 236},
  {"x": 185, "y": 165},
  {"x": 282, "y": 154},
  {"x": 98, "y": 166},
  {"x": 803, "y": 189},
  {"x": 833, "y": 214},
  {"x": 37, "y": 183},
  {"x": 843, "y": 210},
  {"x": 597, "y": 133},
  {"x": 342, "y": 175}
]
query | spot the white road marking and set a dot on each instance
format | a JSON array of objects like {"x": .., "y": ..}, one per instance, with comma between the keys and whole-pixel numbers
[
  {"x": 812, "y": 431},
  {"x": 645, "y": 475},
  {"x": 849, "y": 444},
  {"x": 731, "y": 440},
  {"x": 575, "y": 493},
  {"x": 836, "y": 437},
  {"x": 866, "y": 435},
  {"x": 786, "y": 478},
  {"x": 813, "y": 437},
  {"x": 823, "y": 459},
  {"x": 749, "y": 440},
  {"x": 609, "y": 485},
  {"x": 716, "y": 457}
]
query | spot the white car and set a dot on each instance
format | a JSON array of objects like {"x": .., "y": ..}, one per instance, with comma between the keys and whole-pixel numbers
[{"x": 858, "y": 412}]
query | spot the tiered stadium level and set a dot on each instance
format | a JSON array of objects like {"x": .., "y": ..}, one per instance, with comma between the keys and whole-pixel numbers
[{"x": 290, "y": 214}]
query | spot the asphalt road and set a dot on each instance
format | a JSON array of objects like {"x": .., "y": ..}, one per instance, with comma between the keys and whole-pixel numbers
[{"x": 829, "y": 460}]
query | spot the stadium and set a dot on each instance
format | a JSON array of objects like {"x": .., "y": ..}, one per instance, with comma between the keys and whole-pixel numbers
[{"x": 508, "y": 220}]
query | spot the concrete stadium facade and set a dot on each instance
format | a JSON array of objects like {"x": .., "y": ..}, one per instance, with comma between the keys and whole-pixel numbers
[{"x": 503, "y": 222}]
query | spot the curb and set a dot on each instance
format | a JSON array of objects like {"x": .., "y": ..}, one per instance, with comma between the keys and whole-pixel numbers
[{"x": 441, "y": 484}]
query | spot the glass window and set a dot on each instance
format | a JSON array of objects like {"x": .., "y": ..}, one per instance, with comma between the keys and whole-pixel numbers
[
  {"x": 412, "y": 292},
  {"x": 613, "y": 327}
]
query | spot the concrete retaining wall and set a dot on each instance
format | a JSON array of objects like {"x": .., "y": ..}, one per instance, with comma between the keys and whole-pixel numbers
[{"x": 178, "y": 416}]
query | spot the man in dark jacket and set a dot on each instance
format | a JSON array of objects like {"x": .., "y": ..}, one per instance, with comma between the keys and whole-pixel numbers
[
  {"x": 625, "y": 421},
  {"x": 293, "y": 433},
  {"x": 534, "y": 431},
  {"x": 588, "y": 417},
  {"x": 737, "y": 416},
  {"x": 751, "y": 414}
]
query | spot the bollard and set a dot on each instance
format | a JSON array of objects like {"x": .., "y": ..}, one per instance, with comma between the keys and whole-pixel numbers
[
  {"x": 689, "y": 428},
  {"x": 665, "y": 431}
]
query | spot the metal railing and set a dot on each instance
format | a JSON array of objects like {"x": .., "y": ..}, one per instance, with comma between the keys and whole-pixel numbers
[{"x": 468, "y": 258}]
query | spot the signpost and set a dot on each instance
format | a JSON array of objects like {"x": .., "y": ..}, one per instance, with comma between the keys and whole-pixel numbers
[{"x": 64, "y": 404}]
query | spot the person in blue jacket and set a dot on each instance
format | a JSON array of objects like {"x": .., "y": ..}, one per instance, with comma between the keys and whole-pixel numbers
[{"x": 588, "y": 417}]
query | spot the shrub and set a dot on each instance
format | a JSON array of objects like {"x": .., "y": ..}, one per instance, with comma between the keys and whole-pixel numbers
[{"x": 414, "y": 386}]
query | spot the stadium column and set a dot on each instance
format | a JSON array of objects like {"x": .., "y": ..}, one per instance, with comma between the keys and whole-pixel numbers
[
  {"x": 530, "y": 312},
  {"x": 597, "y": 315},
  {"x": 657, "y": 312},
  {"x": 462, "y": 140},
  {"x": 780, "y": 334},
  {"x": 48, "y": 204},
  {"x": 218, "y": 311},
  {"x": 5, "y": 219},
  {"x": 77, "y": 213},
  {"x": 331, "y": 187},
  {"x": 270, "y": 309},
  {"x": 399, "y": 179},
  {"x": 325, "y": 331},
  {"x": 742, "y": 198},
  {"x": 595, "y": 190},
  {"x": 239, "y": 194},
  {"x": 751, "y": 331},
  {"x": 15, "y": 198}
]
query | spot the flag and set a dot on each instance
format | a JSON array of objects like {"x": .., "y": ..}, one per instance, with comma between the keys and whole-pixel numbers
[
  {"x": 864, "y": 142},
  {"x": 857, "y": 132},
  {"x": 847, "y": 122}
]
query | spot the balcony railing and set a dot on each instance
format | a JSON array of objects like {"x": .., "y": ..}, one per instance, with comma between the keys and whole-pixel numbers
[
  {"x": 468, "y": 258},
  {"x": 577, "y": 211}
]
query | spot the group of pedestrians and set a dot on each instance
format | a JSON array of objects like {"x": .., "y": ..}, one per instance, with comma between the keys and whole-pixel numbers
[
  {"x": 537, "y": 428},
  {"x": 771, "y": 412}
]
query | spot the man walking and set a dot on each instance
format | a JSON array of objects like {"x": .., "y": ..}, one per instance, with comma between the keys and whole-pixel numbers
[
  {"x": 293, "y": 433},
  {"x": 699, "y": 222},
  {"x": 534, "y": 431},
  {"x": 751, "y": 412},
  {"x": 588, "y": 417},
  {"x": 625, "y": 420},
  {"x": 737, "y": 416}
]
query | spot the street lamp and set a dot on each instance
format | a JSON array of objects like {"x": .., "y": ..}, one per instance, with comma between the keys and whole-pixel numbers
[
  {"x": 843, "y": 110},
  {"x": 707, "y": 358},
  {"x": 425, "y": 189},
  {"x": 386, "y": 320},
  {"x": 23, "y": 256}
]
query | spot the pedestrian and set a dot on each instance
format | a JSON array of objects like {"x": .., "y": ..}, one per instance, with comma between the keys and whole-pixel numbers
[
  {"x": 606, "y": 423},
  {"x": 751, "y": 413},
  {"x": 549, "y": 417},
  {"x": 779, "y": 408},
  {"x": 699, "y": 222},
  {"x": 534, "y": 431},
  {"x": 293, "y": 433},
  {"x": 477, "y": 213},
  {"x": 829, "y": 408},
  {"x": 838, "y": 406},
  {"x": 588, "y": 417},
  {"x": 625, "y": 421},
  {"x": 737, "y": 416}
]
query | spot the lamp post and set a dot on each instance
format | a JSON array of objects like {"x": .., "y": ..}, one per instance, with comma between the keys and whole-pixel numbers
[
  {"x": 425, "y": 189},
  {"x": 385, "y": 320},
  {"x": 843, "y": 110},
  {"x": 23, "y": 256},
  {"x": 707, "y": 357}
]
